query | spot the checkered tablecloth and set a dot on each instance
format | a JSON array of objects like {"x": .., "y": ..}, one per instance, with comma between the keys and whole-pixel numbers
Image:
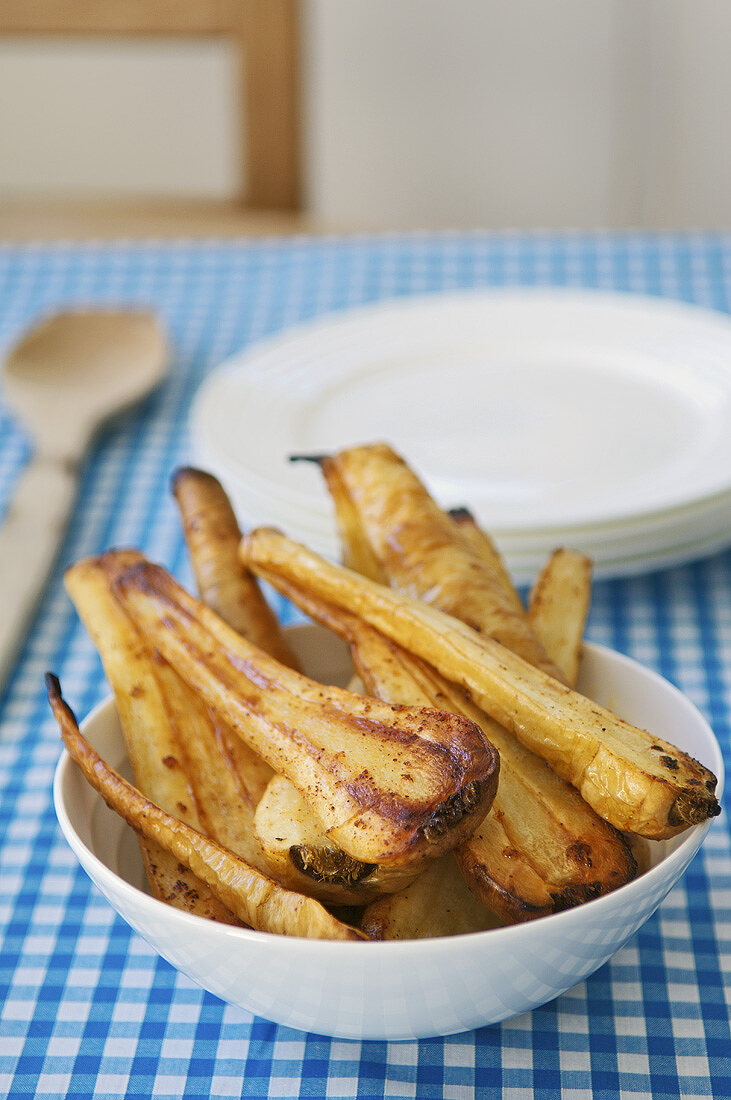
[{"x": 88, "y": 1009}]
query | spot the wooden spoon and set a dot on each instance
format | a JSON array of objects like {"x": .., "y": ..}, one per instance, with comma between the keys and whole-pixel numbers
[{"x": 62, "y": 380}]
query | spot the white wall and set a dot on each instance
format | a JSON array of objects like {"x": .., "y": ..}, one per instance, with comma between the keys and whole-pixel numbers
[
  {"x": 416, "y": 112},
  {"x": 688, "y": 114},
  {"x": 462, "y": 113}
]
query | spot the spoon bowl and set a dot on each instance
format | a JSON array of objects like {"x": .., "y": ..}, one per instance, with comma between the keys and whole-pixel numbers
[{"x": 73, "y": 370}]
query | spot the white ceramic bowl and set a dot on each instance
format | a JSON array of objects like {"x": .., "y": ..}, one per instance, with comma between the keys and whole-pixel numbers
[{"x": 398, "y": 990}]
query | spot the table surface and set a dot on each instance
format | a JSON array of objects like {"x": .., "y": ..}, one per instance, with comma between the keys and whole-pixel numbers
[{"x": 88, "y": 1009}]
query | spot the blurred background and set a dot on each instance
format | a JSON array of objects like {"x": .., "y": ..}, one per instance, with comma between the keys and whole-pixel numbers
[{"x": 217, "y": 116}]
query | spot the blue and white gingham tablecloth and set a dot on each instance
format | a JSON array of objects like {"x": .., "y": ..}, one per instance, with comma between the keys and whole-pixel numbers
[{"x": 86, "y": 1007}]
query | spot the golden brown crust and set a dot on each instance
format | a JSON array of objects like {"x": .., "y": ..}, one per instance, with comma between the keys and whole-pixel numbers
[
  {"x": 212, "y": 536},
  {"x": 541, "y": 848},
  {"x": 179, "y": 757},
  {"x": 175, "y": 884},
  {"x": 357, "y": 552},
  {"x": 223, "y": 793}
]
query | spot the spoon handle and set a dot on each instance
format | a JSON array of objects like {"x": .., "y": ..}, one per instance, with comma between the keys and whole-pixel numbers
[{"x": 29, "y": 540}]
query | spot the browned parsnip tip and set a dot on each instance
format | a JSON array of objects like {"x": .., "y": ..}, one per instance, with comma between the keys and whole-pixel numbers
[
  {"x": 212, "y": 536},
  {"x": 53, "y": 688},
  {"x": 253, "y": 897}
]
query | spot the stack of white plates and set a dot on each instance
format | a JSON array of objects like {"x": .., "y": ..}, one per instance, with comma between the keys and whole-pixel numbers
[{"x": 560, "y": 418}]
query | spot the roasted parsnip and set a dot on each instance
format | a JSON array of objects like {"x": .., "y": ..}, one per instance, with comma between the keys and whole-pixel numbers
[
  {"x": 391, "y": 785},
  {"x": 212, "y": 536},
  {"x": 633, "y": 779},
  {"x": 420, "y": 550},
  {"x": 153, "y": 746},
  {"x": 437, "y": 903},
  {"x": 301, "y": 855},
  {"x": 255, "y": 899},
  {"x": 181, "y": 757},
  {"x": 574, "y": 855},
  {"x": 482, "y": 545},
  {"x": 542, "y": 848},
  {"x": 559, "y": 604}
]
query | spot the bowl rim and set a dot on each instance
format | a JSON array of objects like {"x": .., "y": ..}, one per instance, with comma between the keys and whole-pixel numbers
[{"x": 694, "y": 837}]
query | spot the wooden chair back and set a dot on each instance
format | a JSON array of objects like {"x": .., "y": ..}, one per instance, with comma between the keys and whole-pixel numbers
[{"x": 265, "y": 36}]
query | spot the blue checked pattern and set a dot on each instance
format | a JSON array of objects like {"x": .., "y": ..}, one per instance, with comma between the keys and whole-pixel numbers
[{"x": 87, "y": 1008}]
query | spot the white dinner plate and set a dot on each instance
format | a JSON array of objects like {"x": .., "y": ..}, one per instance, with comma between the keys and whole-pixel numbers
[{"x": 547, "y": 412}]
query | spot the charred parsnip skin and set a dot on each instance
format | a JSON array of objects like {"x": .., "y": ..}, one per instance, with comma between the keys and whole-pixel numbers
[
  {"x": 391, "y": 785},
  {"x": 255, "y": 899},
  {"x": 633, "y": 779},
  {"x": 421, "y": 551},
  {"x": 212, "y": 536},
  {"x": 559, "y": 604},
  {"x": 151, "y": 738}
]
